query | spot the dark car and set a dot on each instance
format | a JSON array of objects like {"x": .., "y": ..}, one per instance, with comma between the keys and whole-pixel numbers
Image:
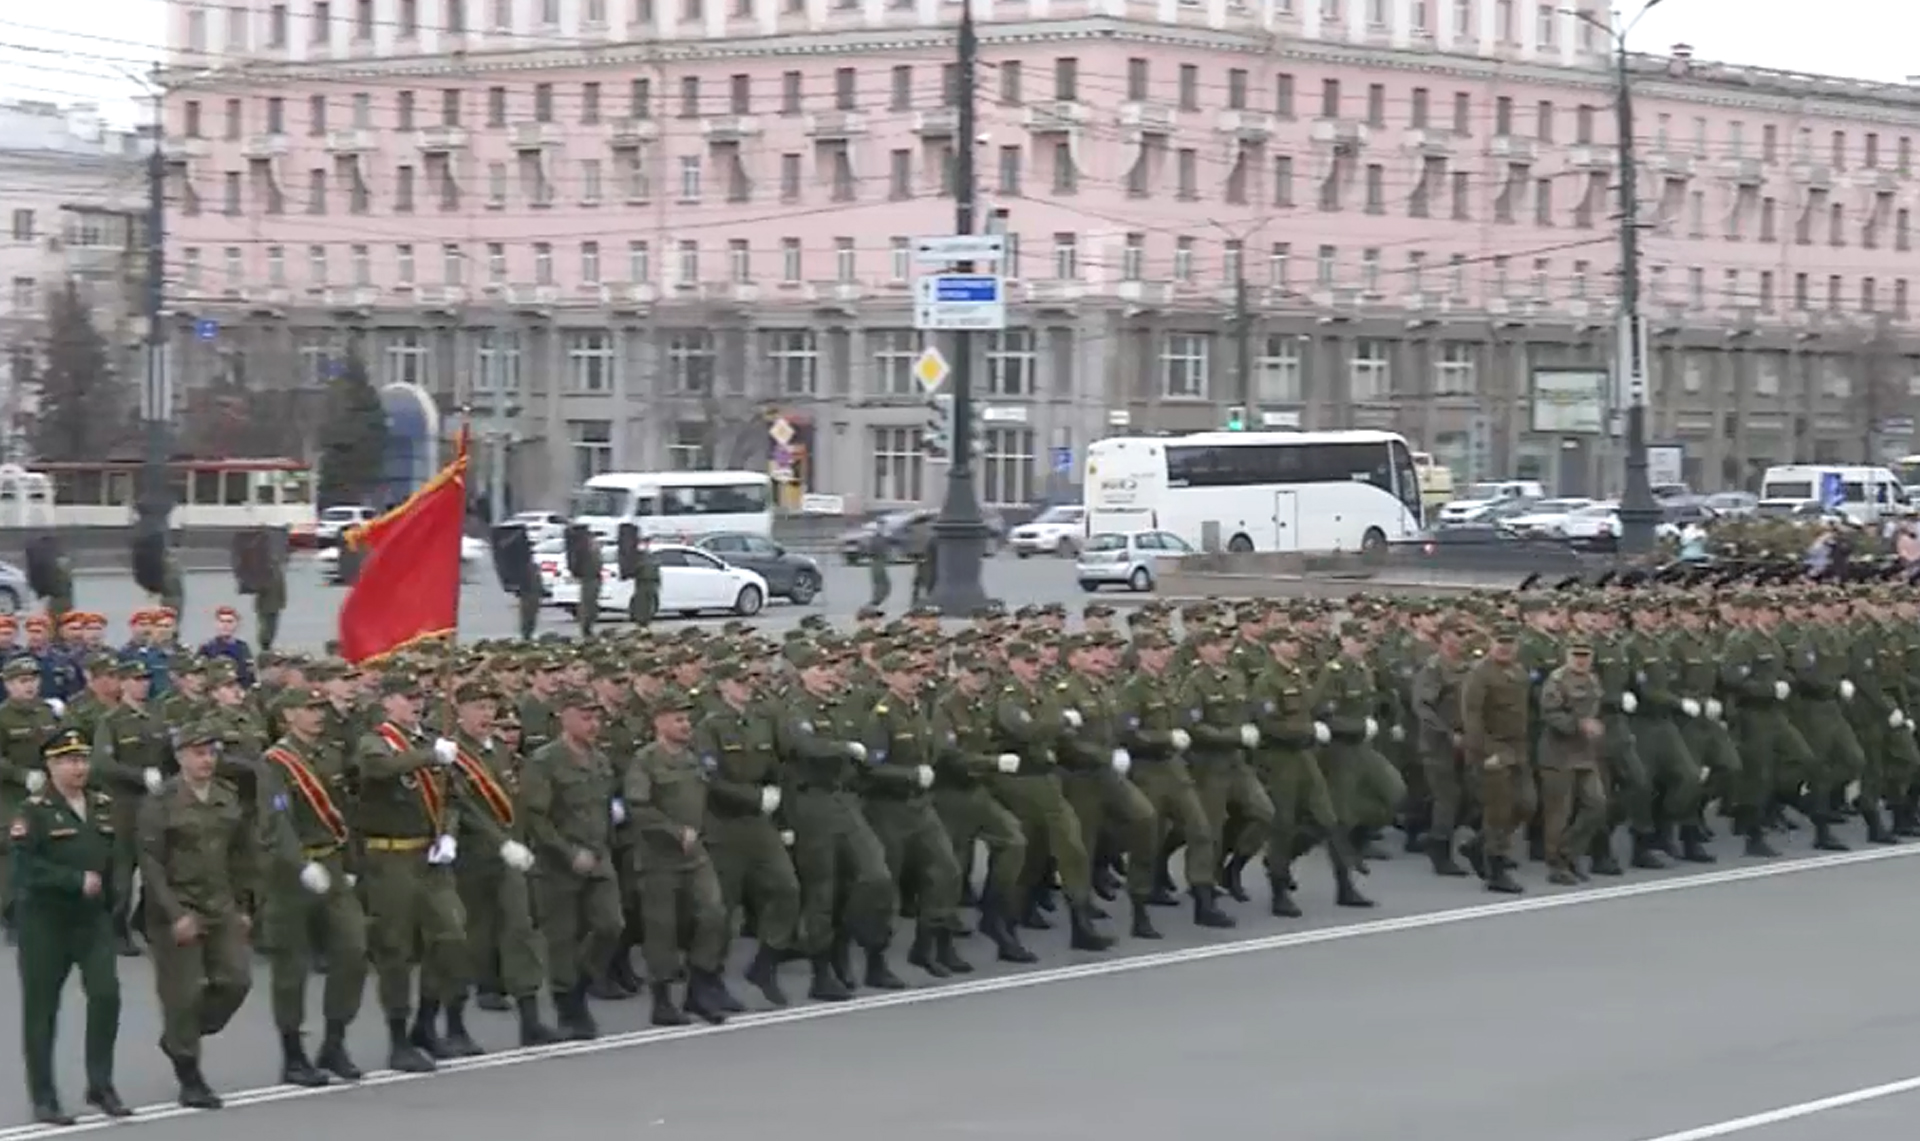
[
  {"x": 790, "y": 575},
  {"x": 893, "y": 527}
]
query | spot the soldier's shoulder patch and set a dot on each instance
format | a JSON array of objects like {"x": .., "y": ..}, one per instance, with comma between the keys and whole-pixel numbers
[
  {"x": 280, "y": 802},
  {"x": 1061, "y": 686}
]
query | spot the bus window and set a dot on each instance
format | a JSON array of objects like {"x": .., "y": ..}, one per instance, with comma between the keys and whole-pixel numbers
[
  {"x": 119, "y": 488},
  {"x": 234, "y": 492},
  {"x": 206, "y": 488}
]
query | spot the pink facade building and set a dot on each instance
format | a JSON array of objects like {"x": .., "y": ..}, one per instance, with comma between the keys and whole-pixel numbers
[{"x": 639, "y": 230}]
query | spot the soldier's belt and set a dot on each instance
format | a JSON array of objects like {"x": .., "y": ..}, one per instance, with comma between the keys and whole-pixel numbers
[
  {"x": 397, "y": 844},
  {"x": 319, "y": 852}
]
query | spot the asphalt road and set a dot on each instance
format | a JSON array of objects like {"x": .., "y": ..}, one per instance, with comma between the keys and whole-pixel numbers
[
  {"x": 1663, "y": 1007},
  {"x": 488, "y": 612}
]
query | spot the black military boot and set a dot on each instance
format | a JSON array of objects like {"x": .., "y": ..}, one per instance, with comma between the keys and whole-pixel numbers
[
  {"x": 1876, "y": 821},
  {"x": 880, "y": 974},
  {"x": 1367, "y": 847},
  {"x": 921, "y": 953},
  {"x": 1906, "y": 822},
  {"x": 195, "y": 1093},
  {"x": 1231, "y": 870},
  {"x": 533, "y": 1032},
  {"x": 460, "y": 1043},
  {"x": 582, "y": 1027},
  {"x": 1662, "y": 841},
  {"x": 47, "y": 1111},
  {"x": 425, "y": 1035},
  {"x": 841, "y": 956},
  {"x": 1536, "y": 840},
  {"x": 665, "y": 1011},
  {"x": 948, "y": 957},
  {"x": 1206, "y": 909},
  {"x": 333, "y": 1056},
  {"x": 402, "y": 1054},
  {"x": 1500, "y": 877},
  {"x": 1823, "y": 838},
  {"x": 1644, "y": 853},
  {"x": 1086, "y": 937},
  {"x": 1164, "y": 892},
  {"x": 827, "y": 986},
  {"x": 1035, "y": 916},
  {"x": 1344, "y": 894},
  {"x": 1440, "y": 852},
  {"x": 1693, "y": 845},
  {"x": 1143, "y": 927},
  {"x": 1004, "y": 936},
  {"x": 1756, "y": 846},
  {"x": 295, "y": 1069},
  {"x": 492, "y": 998},
  {"x": 1281, "y": 904},
  {"x": 705, "y": 998},
  {"x": 1604, "y": 861},
  {"x": 107, "y": 1100},
  {"x": 1474, "y": 851},
  {"x": 764, "y": 973}
]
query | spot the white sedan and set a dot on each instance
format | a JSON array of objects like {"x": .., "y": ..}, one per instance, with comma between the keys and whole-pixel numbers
[
  {"x": 1058, "y": 530},
  {"x": 1545, "y": 519},
  {"x": 691, "y": 582}
]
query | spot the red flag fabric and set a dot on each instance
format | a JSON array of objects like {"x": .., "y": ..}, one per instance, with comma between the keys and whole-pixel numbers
[{"x": 409, "y": 585}]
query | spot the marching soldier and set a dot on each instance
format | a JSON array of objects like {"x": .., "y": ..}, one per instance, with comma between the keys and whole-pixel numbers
[
  {"x": 645, "y": 602},
  {"x": 130, "y": 753},
  {"x": 1494, "y": 741},
  {"x": 1573, "y": 798},
  {"x": 310, "y": 891},
  {"x": 26, "y": 722},
  {"x": 63, "y": 841},
  {"x": 199, "y": 865}
]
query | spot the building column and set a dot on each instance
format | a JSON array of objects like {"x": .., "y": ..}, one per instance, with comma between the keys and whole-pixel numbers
[{"x": 548, "y": 355}]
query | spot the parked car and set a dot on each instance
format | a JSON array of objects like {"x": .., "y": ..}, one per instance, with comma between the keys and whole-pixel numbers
[
  {"x": 892, "y": 528},
  {"x": 1130, "y": 559},
  {"x": 1059, "y": 530},
  {"x": 1733, "y": 504},
  {"x": 14, "y": 591},
  {"x": 789, "y": 574},
  {"x": 692, "y": 582},
  {"x": 540, "y": 525},
  {"x": 1542, "y": 519},
  {"x": 334, "y": 522},
  {"x": 1482, "y": 497},
  {"x": 475, "y": 554}
]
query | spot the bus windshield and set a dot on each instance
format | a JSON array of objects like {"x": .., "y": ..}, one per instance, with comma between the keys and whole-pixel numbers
[{"x": 600, "y": 501}]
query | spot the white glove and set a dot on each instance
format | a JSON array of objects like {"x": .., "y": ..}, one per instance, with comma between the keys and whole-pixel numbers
[
  {"x": 315, "y": 879},
  {"x": 1628, "y": 703},
  {"x": 151, "y": 777},
  {"x": 1781, "y": 690},
  {"x": 1690, "y": 707},
  {"x": 924, "y": 774},
  {"x": 1179, "y": 739},
  {"x": 1398, "y": 733},
  {"x": 617, "y": 810},
  {"x": 1321, "y": 734},
  {"x": 443, "y": 852},
  {"x": 1705, "y": 774},
  {"x": 1007, "y": 763},
  {"x": 36, "y": 780},
  {"x": 353, "y": 881},
  {"x": 1911, "y": 726},
  {"x": 1072, "y": 718},
  {"x": 1122, "y": 762},
  {"x": 769, "y": 800},
  {"x": 1250, "y": 736},
  {"x": 1896, "y": 719},
  {"x": 1847, "y": 689},
  {"x": 1373, "y": 728},
  {"x": 856, "y": 750},
  {"x": 786, "y": 837},
  {"x": 516, "y": 855},
  {"x": 445, "y": 752},
  {"x": 1714, "y": 708},
  {"x": 58, "y": 706}
]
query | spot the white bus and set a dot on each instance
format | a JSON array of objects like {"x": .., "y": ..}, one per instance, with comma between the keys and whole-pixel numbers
[
  {"x": 677, "y": 506},
  {"x": 1267, "y": 491}
]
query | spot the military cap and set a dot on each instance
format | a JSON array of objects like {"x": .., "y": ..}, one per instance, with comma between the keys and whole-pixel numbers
[
  {"x": 222, "y": 671},
  {"x": 573, "y": 698},
  {"x": 200, "y": 732},
  {"x": 924, "y": 610},
  {"x": 299, "y": 697},
  {"x": 475, "y": 690},
  {"x": 728, "y": 669},
  {"x": 99, "y": 662},
  {"x": 894, "y": 661},
  {"x": 672, "y": 700},
  {"x": 131, "y": 668},
  {"x": 398, "y": 683},
  {"x": 805, "y": 655},
  {"x": 1023, "y": 651},
  {"x": 1096, "y": 610},
  {"x": 1579, "y": 643},
  {"x": 65, "y": 743},
  {"x": 21, "y": 666}
]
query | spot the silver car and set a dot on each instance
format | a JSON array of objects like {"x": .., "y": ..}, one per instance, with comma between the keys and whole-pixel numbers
[{"x": 1130, "y": 559}]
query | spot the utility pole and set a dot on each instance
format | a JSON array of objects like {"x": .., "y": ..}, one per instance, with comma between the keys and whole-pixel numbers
[
  {"x": 155, "y": 501},
  {"x": 1243, "y": 340},
  {"x": 960, "y": 533},
  {"x": 1639, "y": 514}
]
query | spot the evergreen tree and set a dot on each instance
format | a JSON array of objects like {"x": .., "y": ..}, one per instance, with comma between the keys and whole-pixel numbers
[
  {"x": 84, "y": 409},
  {"x": 353, "y": 440}
]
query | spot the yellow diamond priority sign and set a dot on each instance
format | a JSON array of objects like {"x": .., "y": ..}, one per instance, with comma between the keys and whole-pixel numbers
[{"x": 931, "y": 369}]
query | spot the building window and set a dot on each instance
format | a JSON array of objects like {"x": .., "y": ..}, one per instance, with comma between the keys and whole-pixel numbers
[
  {"x": 1011, "y": 363},
  {"x": 1277, "y": 375},
  {"x": 687, "y": 265},
  {"x": 690, "y": 362},
  {"x": 407, "y": 357},
  {"x": 1369, "y": 379},
  {"x": 1006, "y": 466},
  {"x": 592, "y": 442},
  {"x": 1453, "y": 370},
  {"x": 795, "y": 356},
  {"x": 496, "y": 359},
  {"x": 691, "y": 447},
  {"x": 1183, "y": 366},
  {"x": 894, "y": 351},
  {"x": 897, "y": 465},
  {"x": 590, "y": 361}
]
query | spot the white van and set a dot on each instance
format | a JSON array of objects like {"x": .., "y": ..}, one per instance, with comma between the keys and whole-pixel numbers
[
  {"x": 677, "y": 506},
  {"x": 1863, "y": 494}
]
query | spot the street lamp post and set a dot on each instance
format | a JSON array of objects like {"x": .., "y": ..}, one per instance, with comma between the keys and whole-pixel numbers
[{"x": 155, "y": 499}]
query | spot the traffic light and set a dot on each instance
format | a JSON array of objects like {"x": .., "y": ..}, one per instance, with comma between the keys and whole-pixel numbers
[
  {"x": 937, "y": 440},
  {"x": 1237, "y": 418}
]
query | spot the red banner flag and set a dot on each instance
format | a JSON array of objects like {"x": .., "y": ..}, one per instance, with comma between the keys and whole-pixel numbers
[{"x": 409, "y": 585}]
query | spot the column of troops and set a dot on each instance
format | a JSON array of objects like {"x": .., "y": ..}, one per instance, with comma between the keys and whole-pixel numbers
[{"x": 499, "y": 825}]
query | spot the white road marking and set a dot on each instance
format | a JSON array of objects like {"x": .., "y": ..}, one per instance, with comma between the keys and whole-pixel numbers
[
  {"x": 268, "y": 1095},
  {"x": 1791, "y": 1112}
]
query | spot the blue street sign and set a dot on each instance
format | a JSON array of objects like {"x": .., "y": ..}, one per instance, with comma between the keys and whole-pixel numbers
[
  {"x": 206, "y": 328},
  {"x": 966, "y": 289},
  {"x": 1062, "y": 461}
]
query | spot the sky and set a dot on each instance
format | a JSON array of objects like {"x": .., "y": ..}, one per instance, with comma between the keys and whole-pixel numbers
[{"x": 82, "y": 52}]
